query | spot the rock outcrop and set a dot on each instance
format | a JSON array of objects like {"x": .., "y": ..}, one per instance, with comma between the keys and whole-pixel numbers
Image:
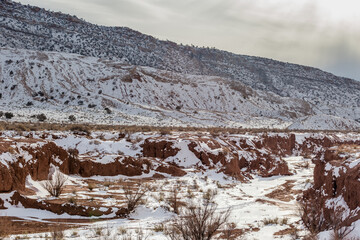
[
  {"x": 336, "y": 184},
  {"x": 58, "y": 207},
  {"x": 336, "y": 175},
  {"x": 238, "y": 156},
  {"x": 158, "y": 149},
  {"x": 25, "y": 159}
]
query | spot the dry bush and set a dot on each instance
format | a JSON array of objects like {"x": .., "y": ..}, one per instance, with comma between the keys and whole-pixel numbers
[
  {"x": 310, "y": 236},
  {"x": 159, "y": 227},
  {"x": 57, "y": 233},
  {"x": 80, "y": 129},
  {"x": 198, "y": 222},
  {"x": 139, "y": 235},
  {"x": 98, "y": 231},
  {"x": 270, "y": 221},
  {"x": 41, "y": 117},
  {"x": 165, "y": 131},
  {"x": 209, "y": 195},
  {"x": 107, "y": 183},
  {"x": 228, "y": 232},
  {"x": 55, "y": 185},
  {"x": 311, "y": 214},
  {"x": 133, "y": 195},
  {"x": 340, "y": 231},
  {"x": 173, "y": 200},
  {"x": 72, "y": 118},
  {"x": 9, "y": 115}
]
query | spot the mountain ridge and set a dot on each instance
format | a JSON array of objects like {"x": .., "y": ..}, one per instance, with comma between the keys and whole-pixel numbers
[
  {"x": 33, "y": 28},
  {"x": 62, "y": 84}
]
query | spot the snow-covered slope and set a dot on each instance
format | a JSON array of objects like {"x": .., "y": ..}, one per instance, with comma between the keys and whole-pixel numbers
[
  {"x": 61, "y": 84},
  {"x": 34, "y": 28},
  {"x": 319, "y": 121}
]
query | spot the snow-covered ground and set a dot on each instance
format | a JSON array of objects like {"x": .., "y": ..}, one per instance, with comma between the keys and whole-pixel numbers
[
  {"x": 250, "y": 206},
  {"x": 263, "y": 207}
]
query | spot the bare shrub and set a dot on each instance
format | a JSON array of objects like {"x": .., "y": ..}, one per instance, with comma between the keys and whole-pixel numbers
[
  {"x": 209, "y": 195},
  {"x": 80, "y": 129},
  {"x": 133, "y": 195},
  {"x": 139, "y": 235},
  {"x": 270, "y": 221},
  {"x": 107, "y": 110},
  {"x": 294, "y": 234},
  {"x": 159, "y": 228},
  {"x": 198, "y": 222},
  {"x": 107, "y": 183},
  {"x": 55, "y": 185},
  {"x": 310, "y": 236},
  {"x": 72, "y": 118},
  {"x": 98, "y": 231},
  {"x": 41, "y": 117},
  {"x": 9, "y": 115},
  {"x": 229, "y": 230},
  {"x": 173, "y": 200},
  {"x": 57, "y": 233},
  {"x": 311, "y": 214},
  {"x": 337, "y": 218}
]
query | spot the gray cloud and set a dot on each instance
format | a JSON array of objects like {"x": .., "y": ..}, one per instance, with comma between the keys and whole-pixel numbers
[
  {"x": 343, "y": 58},
  {"x": 318, "y": 33}
]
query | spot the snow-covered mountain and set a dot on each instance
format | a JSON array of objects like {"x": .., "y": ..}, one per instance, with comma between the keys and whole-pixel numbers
[
  {"x": 62, "y": 82},
  {"x": 249, "y": 91}
]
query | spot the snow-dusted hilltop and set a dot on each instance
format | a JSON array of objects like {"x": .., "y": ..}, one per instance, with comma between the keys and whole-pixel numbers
[
  {"x": 60, "y": 82},
  {"x": 288, "y": 93},
  {"x": 105, "y": 91}
]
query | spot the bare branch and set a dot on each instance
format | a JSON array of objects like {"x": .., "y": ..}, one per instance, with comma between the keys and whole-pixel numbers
[
  {"x": 198, "y": 223},
  {"x": 55, "y": 185},
  {"x": 133, "y": 195}
]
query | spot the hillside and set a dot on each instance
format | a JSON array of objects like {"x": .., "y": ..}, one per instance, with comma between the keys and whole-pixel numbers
[
  {"x": 27, "y": 27},
  {"x": 61, "y": 84}
]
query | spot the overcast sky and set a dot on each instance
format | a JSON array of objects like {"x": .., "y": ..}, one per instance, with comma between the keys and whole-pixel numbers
[{"x": 320, "y": 33}]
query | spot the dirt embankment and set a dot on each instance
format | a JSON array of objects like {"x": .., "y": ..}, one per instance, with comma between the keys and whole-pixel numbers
[
  {"x": 336, "y": 187},
  {"x": 238, "y": 156}
]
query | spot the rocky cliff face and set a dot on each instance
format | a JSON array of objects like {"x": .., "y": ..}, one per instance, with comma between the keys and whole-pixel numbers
[
  {"x": 336, "y": 185},
  {"x": 38, "y": 159},
  {"x": 34, "y": 158},
  {"x": 238, "y": 156}
]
